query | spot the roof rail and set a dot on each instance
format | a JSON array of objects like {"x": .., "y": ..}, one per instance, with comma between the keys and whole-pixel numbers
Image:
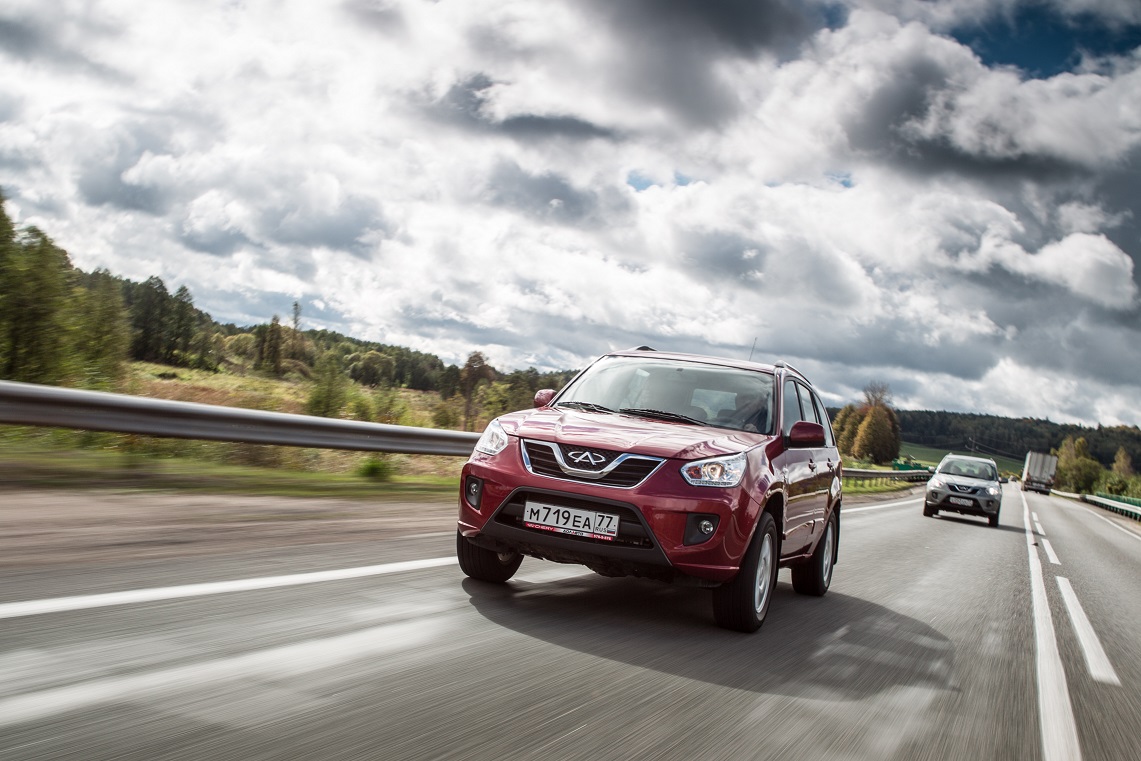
[{"x": 787, "y": 366}]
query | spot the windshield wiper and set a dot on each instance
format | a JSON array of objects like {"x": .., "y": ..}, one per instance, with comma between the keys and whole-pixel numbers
[
  {"x": 588, "y": 406},
  {"x": 661, "y": 414}
]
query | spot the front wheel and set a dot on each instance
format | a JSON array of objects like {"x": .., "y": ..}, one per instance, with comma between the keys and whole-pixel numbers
[
  {"x": 814, "y": 575},
  {"x": 743, "y": 603},
  {"x": 993, "y": 520},
  {"x": 486, "y": 565}
]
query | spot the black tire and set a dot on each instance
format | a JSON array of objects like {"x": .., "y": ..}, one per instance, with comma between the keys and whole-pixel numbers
[
  {"x": 993, "y": 520},
  {"x": 813, "y": 576},
  {"x": 743, "y": 603},
  {"x": 486, "y": 565},
  {"x": 929, "y": 511}
]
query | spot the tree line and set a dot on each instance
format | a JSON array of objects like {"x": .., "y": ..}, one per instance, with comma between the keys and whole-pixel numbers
[{"x": 1014, "y": 437}]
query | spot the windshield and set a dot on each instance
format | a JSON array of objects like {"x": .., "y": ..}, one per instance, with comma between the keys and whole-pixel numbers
[
  {"x": 724, "y": 397},
  {"x": 969, "y": 469}
]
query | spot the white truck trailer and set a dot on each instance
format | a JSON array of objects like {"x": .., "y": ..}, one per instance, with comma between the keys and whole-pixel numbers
[{"x": 1038, "y": 472}]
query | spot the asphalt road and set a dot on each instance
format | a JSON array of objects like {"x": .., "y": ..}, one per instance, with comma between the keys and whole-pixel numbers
[{"x": 941, "y": 638}]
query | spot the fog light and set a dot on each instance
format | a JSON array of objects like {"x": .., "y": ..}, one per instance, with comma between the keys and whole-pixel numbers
[
  {"x": 473, "y": 491},
  {"x": 699, "y": 528}
]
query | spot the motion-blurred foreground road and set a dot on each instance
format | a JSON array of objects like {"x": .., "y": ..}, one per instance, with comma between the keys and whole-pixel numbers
[{"x": 930, "y": 645}]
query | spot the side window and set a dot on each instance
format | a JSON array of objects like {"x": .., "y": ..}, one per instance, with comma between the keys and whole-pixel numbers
[
  {"x": 789, "y": 407},
  {"x": 806, "y": 410},
  {"x": 822, "y": 413}
]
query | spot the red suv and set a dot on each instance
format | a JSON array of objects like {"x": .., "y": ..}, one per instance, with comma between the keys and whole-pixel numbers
[{"x": 688, "y": 469}]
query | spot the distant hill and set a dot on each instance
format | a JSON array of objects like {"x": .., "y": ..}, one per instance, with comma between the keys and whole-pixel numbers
[{"x": 1012, "y": 437}]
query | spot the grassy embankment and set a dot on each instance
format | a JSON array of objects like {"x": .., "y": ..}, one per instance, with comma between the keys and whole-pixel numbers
[{"x": 52, "y": 457}]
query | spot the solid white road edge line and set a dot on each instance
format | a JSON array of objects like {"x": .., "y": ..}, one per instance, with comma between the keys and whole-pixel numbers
[
  {"x": 60, "y": 604},
  {"x": 1055, "y": 713},
  {"x": 1050, "y": 552},
  {"x": 913, "y": 500},
  {"x": 1096, "y": 660},
  {"x": 1122, "y": 529}
]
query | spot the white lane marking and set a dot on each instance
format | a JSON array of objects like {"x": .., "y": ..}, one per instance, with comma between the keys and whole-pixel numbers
[
  {"x": 1050, "y": 551},
  {"x": 1096, "y": 660},
  {"x": 1038, "y": 528},
  {"x": 846, "y": 510},
  {"x": 1055, "y": 713},
  {"x": 1035, "y": 514},
  {"x": 265, "y": 665},
  {"x": 1122, "y": 529},
  {"x": 60, "y": 604}
]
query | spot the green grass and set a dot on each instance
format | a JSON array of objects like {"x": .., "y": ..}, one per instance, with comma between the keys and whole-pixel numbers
[
  {"x": 860, "y": 486},
  {"x": 932, "y": 456},
  {"x": 33, "y": 464}
]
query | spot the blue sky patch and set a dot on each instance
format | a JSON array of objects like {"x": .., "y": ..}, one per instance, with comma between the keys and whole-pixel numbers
[{"x": 1043, "y": 43}]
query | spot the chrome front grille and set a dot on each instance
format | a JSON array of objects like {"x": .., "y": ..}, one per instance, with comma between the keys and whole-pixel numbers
[{"x": 588, "y": 464}]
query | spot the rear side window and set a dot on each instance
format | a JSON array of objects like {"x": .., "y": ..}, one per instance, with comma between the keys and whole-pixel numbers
[
  {"x": 822, "y": 414},
  {"x": 806, "y": 411},
  {"x": 789, "y": 408}
]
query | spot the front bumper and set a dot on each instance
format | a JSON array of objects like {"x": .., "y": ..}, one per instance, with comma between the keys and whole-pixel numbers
[
  {"x": 966, "y": 504},
  {"x": 651, "y": 541}
]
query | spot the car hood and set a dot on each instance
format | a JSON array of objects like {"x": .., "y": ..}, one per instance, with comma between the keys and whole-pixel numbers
[
  {"x": 627, "y": 433},
  {"x": 980, "y": 483}
]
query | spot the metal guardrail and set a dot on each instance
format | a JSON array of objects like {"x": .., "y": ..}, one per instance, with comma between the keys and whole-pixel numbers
[
  {"x": 30, "y": 404},
  {"x": 1107, "y": 504},
  {"x": 915, "y": 476},
  {"x": 1120, "y": 508}
]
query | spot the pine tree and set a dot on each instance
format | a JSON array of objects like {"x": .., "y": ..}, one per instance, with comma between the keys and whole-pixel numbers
[
  {"x": 150, "y": 320},
  {"x": 273, "y": 342},
  {"x": 102, "y": 333},
  {"x": 331, "y": 389},
  {"x": 182, "y": 327}
]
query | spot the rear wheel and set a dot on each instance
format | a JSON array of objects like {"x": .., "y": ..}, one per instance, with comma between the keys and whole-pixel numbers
[
  {"x": 813, "y": 576},
  {"x": 486, "y": 565},
  {"x": 743, "y": 603}
]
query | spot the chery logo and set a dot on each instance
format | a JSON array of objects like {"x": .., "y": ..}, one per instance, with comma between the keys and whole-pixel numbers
[{"x": 588, "y": 458}]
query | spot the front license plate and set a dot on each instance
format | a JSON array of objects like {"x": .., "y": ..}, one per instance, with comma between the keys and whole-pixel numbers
[
  {"x": 960, "y": 501},
  {"x": 570, "y": 520}
]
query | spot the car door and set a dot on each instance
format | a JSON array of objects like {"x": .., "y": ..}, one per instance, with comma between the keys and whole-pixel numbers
[
  {"x": 823, "y": 460},
  {"x": 796, "y": 467},
  {"x": 830, "y": 454}
]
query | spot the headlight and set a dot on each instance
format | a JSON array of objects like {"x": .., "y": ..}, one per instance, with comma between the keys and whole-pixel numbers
[
  {"x": 935, "y": 483},
  {"x": 493, "y": 440},
  {"x": 993, "y": 491},
  {"x": 716, "y": 471}
]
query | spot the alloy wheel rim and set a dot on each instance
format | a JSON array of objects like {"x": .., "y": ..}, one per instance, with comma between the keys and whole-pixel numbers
[{"x": 764, "y": 575}]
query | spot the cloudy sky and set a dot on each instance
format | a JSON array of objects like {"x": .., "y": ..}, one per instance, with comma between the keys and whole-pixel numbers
[{"x": 940, "y": 194}]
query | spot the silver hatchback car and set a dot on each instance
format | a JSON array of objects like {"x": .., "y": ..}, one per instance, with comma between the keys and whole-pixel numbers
[{"x": 965, "y": 485}]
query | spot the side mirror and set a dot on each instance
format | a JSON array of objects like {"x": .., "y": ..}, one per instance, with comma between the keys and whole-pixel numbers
[
  {"x": 930, "y": 468},
  {"x": 544, "y": 396},
  {"x": 806, "y": 435}
]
